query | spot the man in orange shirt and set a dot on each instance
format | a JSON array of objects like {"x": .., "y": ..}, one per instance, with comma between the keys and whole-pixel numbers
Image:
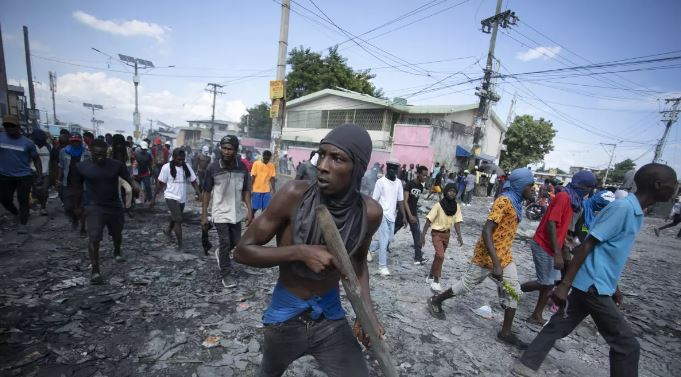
[{"x": 263, "y": 175}]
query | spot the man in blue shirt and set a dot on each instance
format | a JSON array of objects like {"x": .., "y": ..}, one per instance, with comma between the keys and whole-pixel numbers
[
  {"x": 16, "y": 154},
  {"x": 594, "y": 274}
]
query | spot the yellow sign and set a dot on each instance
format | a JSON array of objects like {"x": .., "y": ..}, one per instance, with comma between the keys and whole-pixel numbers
[
  {"x": 277, "y": 89},
  {"x": 274, "y": 110}
]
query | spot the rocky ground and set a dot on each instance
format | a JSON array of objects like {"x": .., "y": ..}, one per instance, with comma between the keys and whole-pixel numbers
[{"x": 165, "y": 313}]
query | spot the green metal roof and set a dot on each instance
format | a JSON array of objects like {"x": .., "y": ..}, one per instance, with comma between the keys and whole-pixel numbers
[{"x": 407, "y": 109}]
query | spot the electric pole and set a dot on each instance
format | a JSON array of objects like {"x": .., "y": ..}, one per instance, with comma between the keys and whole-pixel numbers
[
  {"x": 4, "y": 101},
  {"x": 136, "y": 64},
  {"x": 278, "y": 101},
  {"x": 31, "y": 93},
  {"x": 612, "y": 156},
  {"x": 215, "y": 92},
  {"x": 151, "y": 126},
  {"x": 95, "y": 122},
  {"x": 486, "y": 91},
  {"x": 53, "y": 89},
  {"x": 670, "y": 116}
]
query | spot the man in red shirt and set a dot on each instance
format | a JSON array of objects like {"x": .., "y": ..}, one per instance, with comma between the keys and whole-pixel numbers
[{"x": 548, "y": 252}]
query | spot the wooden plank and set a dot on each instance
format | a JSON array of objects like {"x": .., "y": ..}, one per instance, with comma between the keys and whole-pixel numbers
[{"x": 336, "y": 246}]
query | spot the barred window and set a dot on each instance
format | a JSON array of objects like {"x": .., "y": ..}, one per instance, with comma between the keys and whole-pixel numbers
[{"x": 371, "y": 119}]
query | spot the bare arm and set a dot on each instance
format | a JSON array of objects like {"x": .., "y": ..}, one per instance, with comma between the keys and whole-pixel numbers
[
  {"x": 400, "y": 205},
  {"x": 457, "y": 227},
  {"x": 246, "y": 198},
  {"x": 407, "y": 210},
  {"x": 580, "y": 254},
  {"x": 250, "y": 250},
  {"x": 487, "y": 238},
  {"x": 426, "y": 226},
  {"x": 38, "y": 165},
  {"x": 553, "y": 239},
  {"x": 273, "y": 183}
]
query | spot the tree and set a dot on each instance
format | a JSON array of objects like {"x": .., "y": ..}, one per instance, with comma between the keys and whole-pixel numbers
[
  {"x": 617, "y": 173},
  {"x": 527, "y": 141},
  {"x": 257, "y": 121},
  {"x": 310, "y": 72}
]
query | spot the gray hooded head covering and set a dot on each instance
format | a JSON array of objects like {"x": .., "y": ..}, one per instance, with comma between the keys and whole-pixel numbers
[{"x": 348, "y": 211}]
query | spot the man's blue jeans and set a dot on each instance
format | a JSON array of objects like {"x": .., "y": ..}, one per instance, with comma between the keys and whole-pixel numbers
[{"x": 386, "y": 233}]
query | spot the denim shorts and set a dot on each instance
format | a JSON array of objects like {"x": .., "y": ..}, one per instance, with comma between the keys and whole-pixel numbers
[{"x": 543, "y": 264}]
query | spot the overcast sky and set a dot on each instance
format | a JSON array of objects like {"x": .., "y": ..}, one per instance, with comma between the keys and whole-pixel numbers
[{"x": 436, "y": 46}]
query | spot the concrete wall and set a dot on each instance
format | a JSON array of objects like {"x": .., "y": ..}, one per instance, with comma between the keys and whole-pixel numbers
[
  {"x": 412, "y": 144},
  {"x": 302, "y": 154}
]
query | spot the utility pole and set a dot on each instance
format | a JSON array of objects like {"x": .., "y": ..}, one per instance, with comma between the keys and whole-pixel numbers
[
  {"x": 151, "y": 126},
  {"x": 486, "y": 91},
  {"x": 215, "y": 92},
  {"x": 4, "y": 101},
  {"x": 53, "y": 89},
  {"x": 612, "y": 156},
  {"x": 136, "y": 64},
  {"x": 670, "y": 116},
  {"x": 31, "y": 93},
  {"x": 95, "y": 122},
  {"x": 278, "y": 118}
]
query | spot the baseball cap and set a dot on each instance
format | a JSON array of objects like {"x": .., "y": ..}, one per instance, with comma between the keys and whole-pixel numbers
[{"x": 10, "y": 121}]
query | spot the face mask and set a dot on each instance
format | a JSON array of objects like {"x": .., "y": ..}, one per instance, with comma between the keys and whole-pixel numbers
[{"x": 391, "y": 174}]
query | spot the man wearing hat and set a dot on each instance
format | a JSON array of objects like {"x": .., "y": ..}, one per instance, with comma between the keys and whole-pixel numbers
[
  {"x": 389, "y": 193},
  {"x": 227, "y": 184},
  {"x": 16, "y": 154},
  {"x": 72, "y": 189}
]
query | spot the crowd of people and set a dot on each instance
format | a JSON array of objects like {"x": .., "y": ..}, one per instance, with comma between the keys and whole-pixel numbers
[{"x": 579, "y": 248}]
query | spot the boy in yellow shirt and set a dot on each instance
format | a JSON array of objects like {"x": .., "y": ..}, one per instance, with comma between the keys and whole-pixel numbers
[
  {"x": 444, "y": 214},
  {"x": 263, "y": 175}
]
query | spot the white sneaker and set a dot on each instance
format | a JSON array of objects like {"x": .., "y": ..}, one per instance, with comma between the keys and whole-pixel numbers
[
  {"x": 429, "y": 280},
  {"x": 370, "y": 257},
  {"x": 383, "y": 271},
  {"x": 435, "y": 287}
]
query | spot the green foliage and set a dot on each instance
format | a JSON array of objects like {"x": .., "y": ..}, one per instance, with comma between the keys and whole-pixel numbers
[
  {"x": 528, "y": 141},
  {"x": 617, "y": 173},
  {"x": 310, "y": 72},
  {"x": 257, "y": 121}
]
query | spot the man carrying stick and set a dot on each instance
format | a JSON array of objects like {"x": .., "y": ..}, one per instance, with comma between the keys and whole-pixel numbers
[{"x": 305, "y": 316}]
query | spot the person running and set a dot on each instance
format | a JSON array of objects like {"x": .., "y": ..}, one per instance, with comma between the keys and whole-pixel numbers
[
  {"x": 412, "y": 191},
  {"x": 40, "y": 185},
  {"x": 548, "y": 252},
  {"x": 72, "y": 188},
  {"x": 674, "y": 216},
  {"x": 444, "y": 214},
  {"x": 264, "y": 183},
  {"x": 590, "y": 286},
  {"x": 492, "y": 256},
  {"x": 200, "y": 164},
  {"x": 144, "y": 161},
  {"x": 469, "y": 181},
  {"x": 175, "y": 185},
  {"x": 227, "y": 185},
  {"x": 16, "y": 154},
  {"x": 389, "y": 193},
  {"x": 100, "y": 176},
  {"x": 307, "y": 171},
  {"x": 305, "y": 316}
]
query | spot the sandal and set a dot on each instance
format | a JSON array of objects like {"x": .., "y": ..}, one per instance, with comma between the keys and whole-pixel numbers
[{"x": 435, "y": 309}]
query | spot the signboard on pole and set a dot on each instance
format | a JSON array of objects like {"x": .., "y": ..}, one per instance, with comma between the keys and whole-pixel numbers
[
  {"x": 274, "y": 110},
  {"x": 277, "y": 89}
]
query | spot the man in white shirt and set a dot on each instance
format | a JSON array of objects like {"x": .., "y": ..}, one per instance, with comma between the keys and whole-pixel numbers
[
  {"x": 389, "y": 193},
  {"x": 39, "y": 188},
  {"x": 174, "y": 177}
]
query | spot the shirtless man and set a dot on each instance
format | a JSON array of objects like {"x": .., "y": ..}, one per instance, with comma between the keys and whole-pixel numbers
[{"x": 305, "y": 316}]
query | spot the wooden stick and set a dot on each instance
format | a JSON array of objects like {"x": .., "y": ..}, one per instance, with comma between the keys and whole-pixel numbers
[{"x": 336, "y": 246}]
